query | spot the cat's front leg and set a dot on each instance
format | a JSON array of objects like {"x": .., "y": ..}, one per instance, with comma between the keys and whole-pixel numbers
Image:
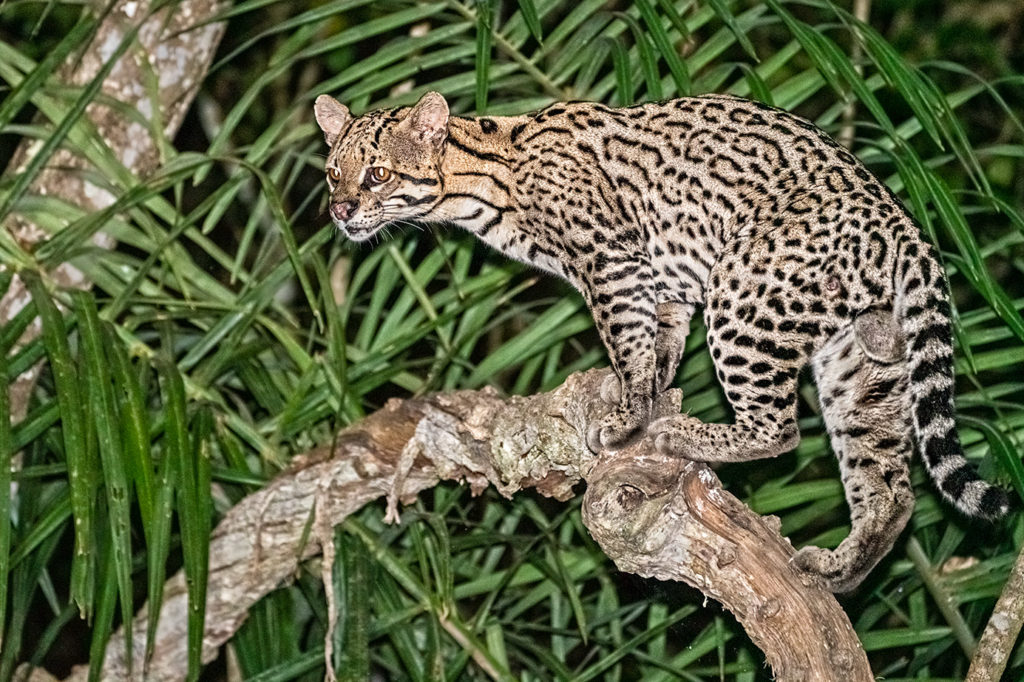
[
  {"x": 623, "y": 307},
  {"x": 673, "y": 328}
]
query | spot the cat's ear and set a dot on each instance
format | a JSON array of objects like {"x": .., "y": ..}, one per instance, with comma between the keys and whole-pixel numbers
[
  {"x": 332, "y": 116},
  {"x": 428, "y": 120}
]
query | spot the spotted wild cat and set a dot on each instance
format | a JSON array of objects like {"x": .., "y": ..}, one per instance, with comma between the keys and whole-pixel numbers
[{"x": 780, "y": 234}]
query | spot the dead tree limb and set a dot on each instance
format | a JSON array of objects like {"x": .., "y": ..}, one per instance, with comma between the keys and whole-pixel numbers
[
  {"x": 176, "y": 44},
  {"x": 659, "y": 517},
  {"x": 1003, "y": 629}
]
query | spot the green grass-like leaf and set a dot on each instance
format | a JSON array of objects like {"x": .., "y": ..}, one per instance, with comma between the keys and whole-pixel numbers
[
  {"x": 82, "y": 468},
  {"x": 101, "y": 406},
  {"x": 6, "y": 463}
]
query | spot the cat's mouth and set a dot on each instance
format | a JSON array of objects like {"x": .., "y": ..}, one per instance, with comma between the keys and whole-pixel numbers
[
  {"x": 358, "y": 233},
  {"x": 355, "y": 228}
]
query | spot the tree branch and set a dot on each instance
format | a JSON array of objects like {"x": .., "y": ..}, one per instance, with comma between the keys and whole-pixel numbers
[
  {"x": 657, "y": 516},
  {"x": 996, "y": 644}
]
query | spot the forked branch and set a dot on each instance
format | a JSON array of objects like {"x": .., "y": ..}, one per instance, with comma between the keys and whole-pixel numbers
[{"x": 655, "y": 516}]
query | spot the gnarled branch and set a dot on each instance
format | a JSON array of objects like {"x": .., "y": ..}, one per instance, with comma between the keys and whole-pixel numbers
[{"x": 653, "y": 515}]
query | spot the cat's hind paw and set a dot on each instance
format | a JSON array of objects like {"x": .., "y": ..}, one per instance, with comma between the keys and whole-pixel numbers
[
  {"x": 671, "y": 435},
  {"x": 830, "y": 569}
]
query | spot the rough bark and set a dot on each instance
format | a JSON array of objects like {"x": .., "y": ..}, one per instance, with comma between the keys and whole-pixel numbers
[
  {"x": 172, "y": 44},
  {"x": 672, "y": 521},
  {"x": 659, "y": 517}
]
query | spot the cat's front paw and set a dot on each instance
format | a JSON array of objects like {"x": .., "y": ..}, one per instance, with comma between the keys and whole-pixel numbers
[
  {"x": 672, "y": 435},
  {"x": 616, "y": 429},
  {"x": 829, "y": 569}
]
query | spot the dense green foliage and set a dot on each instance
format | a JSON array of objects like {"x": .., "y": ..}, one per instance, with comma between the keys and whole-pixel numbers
[{"x": 211, "y": 348}]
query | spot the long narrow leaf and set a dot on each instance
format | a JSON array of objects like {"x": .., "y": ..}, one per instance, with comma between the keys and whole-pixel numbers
[
  {"x": 531, "y": 18},
  {"x": 82, "y": 468},
  {"x": 134, "y": 425},
  {"x": 484, "y": 26},
  {"x": 6, "y": 453},
  {"x": 661, "y": 41},
  {"x": 645, "y": 52},
  {"x": 101, "y": 405},
  {"x": 175, "y": 444},
  {"x": 729, "y": 20},
  {"x": 195, "y": 512},
  {"x": 103, "y": 624},
  {"x": 623, "y": 72}
]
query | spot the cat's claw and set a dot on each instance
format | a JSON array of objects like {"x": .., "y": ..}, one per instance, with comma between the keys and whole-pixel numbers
[{"x": 594, "y": 438}]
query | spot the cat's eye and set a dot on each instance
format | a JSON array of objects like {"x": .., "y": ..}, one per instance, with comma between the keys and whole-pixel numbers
[
  {"x": 334, "y": 174},
  {"x": 379, "y": 175}
]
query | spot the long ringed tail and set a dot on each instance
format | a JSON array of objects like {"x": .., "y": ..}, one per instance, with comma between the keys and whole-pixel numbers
[{"x": 923, "y": 310}]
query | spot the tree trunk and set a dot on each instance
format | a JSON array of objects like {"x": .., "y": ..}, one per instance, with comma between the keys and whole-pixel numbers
[{"x": 176, "y": 45}]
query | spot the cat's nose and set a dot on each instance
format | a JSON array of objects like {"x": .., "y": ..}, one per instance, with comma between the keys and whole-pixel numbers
[{"x": 342, "y": 210}]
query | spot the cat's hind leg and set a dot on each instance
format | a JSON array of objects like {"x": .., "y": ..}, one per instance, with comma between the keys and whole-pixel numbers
[
  {"x": 673, "y": 328},
  {"x": 759, "y": 374},
  {"x": 865, "y": 403}
]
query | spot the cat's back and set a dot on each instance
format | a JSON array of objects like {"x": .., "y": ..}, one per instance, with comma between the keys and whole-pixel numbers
[
  {"x": 746, "y": 136},
  {"x": 727, "y": 115}
]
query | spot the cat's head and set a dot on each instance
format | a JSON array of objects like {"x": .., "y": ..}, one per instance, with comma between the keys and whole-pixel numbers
[{"x": 383, "y": 166}]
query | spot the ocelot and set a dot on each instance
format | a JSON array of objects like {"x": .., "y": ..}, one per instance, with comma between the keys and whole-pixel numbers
[{"x": 782, "y": 236}]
